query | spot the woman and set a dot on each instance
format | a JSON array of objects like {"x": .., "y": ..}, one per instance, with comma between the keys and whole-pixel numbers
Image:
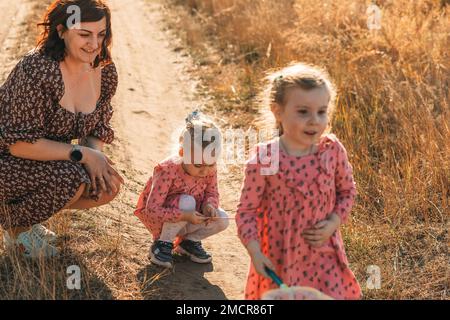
[{"x": 57, "y": 93}]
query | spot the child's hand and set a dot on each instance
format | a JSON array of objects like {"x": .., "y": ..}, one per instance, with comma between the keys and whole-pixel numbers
[
  {"x": 259, "y": 260},
  {"x": 194, "y": 217},
  {"x": 210, "y": 212},
  {"x": 322, "y": 231}
]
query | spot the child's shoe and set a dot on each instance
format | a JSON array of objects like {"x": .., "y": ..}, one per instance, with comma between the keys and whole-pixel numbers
[
  {"x": 31, "y": 245},
  {"x": 161, "y": 253},
  {"x": 194, "y": 250}
]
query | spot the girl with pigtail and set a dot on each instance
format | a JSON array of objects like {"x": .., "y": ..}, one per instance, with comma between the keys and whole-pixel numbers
[{"x": 181, "y": 200}]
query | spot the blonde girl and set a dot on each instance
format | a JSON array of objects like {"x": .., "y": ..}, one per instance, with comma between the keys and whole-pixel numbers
[
  {"x": 181, "y": 199},
  {"x": 289, "y": 220}
]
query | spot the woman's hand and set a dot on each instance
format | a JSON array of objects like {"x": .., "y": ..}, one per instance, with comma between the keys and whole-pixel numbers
[
  {"x": 259, "y": 260},
  {"x": 194, "y": 217},
  {"x": 322, "y": 231},
  {"x": 103, "y": 175}
]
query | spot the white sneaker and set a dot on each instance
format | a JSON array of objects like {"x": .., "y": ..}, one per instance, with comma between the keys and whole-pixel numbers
[
  {"x": 31, "y": 245},
  {"x": 44, "y": 233},
  {"x": 7, "y": 241}
]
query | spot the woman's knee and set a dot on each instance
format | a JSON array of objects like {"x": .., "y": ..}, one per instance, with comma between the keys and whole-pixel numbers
[
  {"x": 77, "y": 196},
  {"x": 107, "y": 198}
]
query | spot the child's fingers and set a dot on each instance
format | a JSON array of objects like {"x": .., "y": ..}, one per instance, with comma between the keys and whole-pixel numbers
[
  {"x": 313, "y": 237},
  {"x": 265, "y": 262},
  {"x": 309, "y": 232},
  {"x": 200, "y": 218},
  {"x": 264, "y": 273},
  {"x": 314, "y": 241},
  {"x": 321, "y": 224},
  {"x": 316, "y": 244},
  {"x": 269, "y": 264}
]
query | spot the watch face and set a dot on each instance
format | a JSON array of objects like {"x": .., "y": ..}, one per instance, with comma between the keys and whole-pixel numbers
[{"x": 76, "y": 155}]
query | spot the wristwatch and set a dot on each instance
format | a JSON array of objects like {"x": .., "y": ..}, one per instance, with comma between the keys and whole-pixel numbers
[{"x": 76, "y": 155}]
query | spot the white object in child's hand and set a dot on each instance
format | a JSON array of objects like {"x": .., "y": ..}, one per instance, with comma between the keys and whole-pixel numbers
[{"x": 295, "y": 293}]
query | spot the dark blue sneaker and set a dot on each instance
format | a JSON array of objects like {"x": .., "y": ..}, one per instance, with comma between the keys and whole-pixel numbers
[
  {"x": 194, "y": 250},
  {"x": 161, "y": 253}
]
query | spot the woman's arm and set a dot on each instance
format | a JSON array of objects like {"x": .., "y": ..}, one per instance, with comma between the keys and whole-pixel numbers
[
  {"x": 93, "y": 143},
  {"x": 49, "y": 150},
  {"x": 42, "y": 150},
  {"x": 96, "y": 163}
]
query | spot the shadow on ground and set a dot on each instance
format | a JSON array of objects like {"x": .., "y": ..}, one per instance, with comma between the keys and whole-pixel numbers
[{"x": 185, "y": 282}]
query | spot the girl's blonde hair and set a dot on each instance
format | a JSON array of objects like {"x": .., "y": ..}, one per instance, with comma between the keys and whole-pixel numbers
[
  {"x": 296, "y": 75},
  {"x": 201, "y": 131}
]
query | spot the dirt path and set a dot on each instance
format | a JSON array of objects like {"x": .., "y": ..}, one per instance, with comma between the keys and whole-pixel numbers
[
  {"x": 154, "y": 96},
  {"x": 12, "y": 29}
]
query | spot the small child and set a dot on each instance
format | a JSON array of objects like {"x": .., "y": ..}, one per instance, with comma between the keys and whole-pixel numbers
[
  {"x": 181, "y": 199},
  {"x": 289, "y": 220}
]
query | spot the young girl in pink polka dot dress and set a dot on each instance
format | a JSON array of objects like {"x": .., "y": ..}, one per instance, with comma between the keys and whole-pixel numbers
[
  {"x": 288, "y": 218},
  {"x": 181, "y": 200}
]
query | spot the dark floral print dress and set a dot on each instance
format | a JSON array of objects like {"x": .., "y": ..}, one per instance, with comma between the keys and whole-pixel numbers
[
  {"x": 274, "y": 209},
  {"x": 33, "y": 191}
]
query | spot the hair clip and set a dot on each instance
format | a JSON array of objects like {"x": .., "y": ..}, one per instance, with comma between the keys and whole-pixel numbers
[
  {"x": 279, "y": 78},
  {"x": 193, "y": 116}
]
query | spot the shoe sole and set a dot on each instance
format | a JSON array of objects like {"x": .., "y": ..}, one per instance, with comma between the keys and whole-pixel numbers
[
  {"x": 193, "y": 258},
  {"x": 158, "y": 262}
]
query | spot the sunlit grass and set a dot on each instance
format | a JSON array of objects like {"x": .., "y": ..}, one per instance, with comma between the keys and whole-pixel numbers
[{"x": 392, "y": 113}]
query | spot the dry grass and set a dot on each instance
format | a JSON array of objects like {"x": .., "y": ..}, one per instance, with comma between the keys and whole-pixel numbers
[
  {"x": 392, "y": 113},
  {"x": 392, "y": 116}
]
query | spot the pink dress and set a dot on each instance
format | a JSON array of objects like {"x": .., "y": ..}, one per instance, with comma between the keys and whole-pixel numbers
[
  {"x": 159, "y": 202},
  {"x": 275, "y": 209}
]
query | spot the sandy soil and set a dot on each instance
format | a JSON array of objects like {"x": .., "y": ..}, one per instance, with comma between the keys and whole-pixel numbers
[{"x": 154, "y": 96}]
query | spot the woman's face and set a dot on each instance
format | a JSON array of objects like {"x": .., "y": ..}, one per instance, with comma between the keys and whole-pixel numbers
[{"x": 84, "y": 44}]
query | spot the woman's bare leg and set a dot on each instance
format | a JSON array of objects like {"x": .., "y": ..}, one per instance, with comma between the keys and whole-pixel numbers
[
  {"x": 77, "y": 197},
  {"x": 87, "y": 203}
]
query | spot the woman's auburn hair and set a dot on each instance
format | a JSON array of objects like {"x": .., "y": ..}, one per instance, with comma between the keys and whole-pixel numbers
[{"x": 50, "y": 44}]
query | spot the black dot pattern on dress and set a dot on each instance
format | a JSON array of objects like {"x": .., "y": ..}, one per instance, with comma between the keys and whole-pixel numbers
[{"x": 303, "y": 192}]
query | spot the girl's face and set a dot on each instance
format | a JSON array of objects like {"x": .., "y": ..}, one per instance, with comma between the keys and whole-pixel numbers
[
  {"x": 84, "y": 44},
  {"x": 304, "y": 116},
  {"x": 197, "y": 170}
]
